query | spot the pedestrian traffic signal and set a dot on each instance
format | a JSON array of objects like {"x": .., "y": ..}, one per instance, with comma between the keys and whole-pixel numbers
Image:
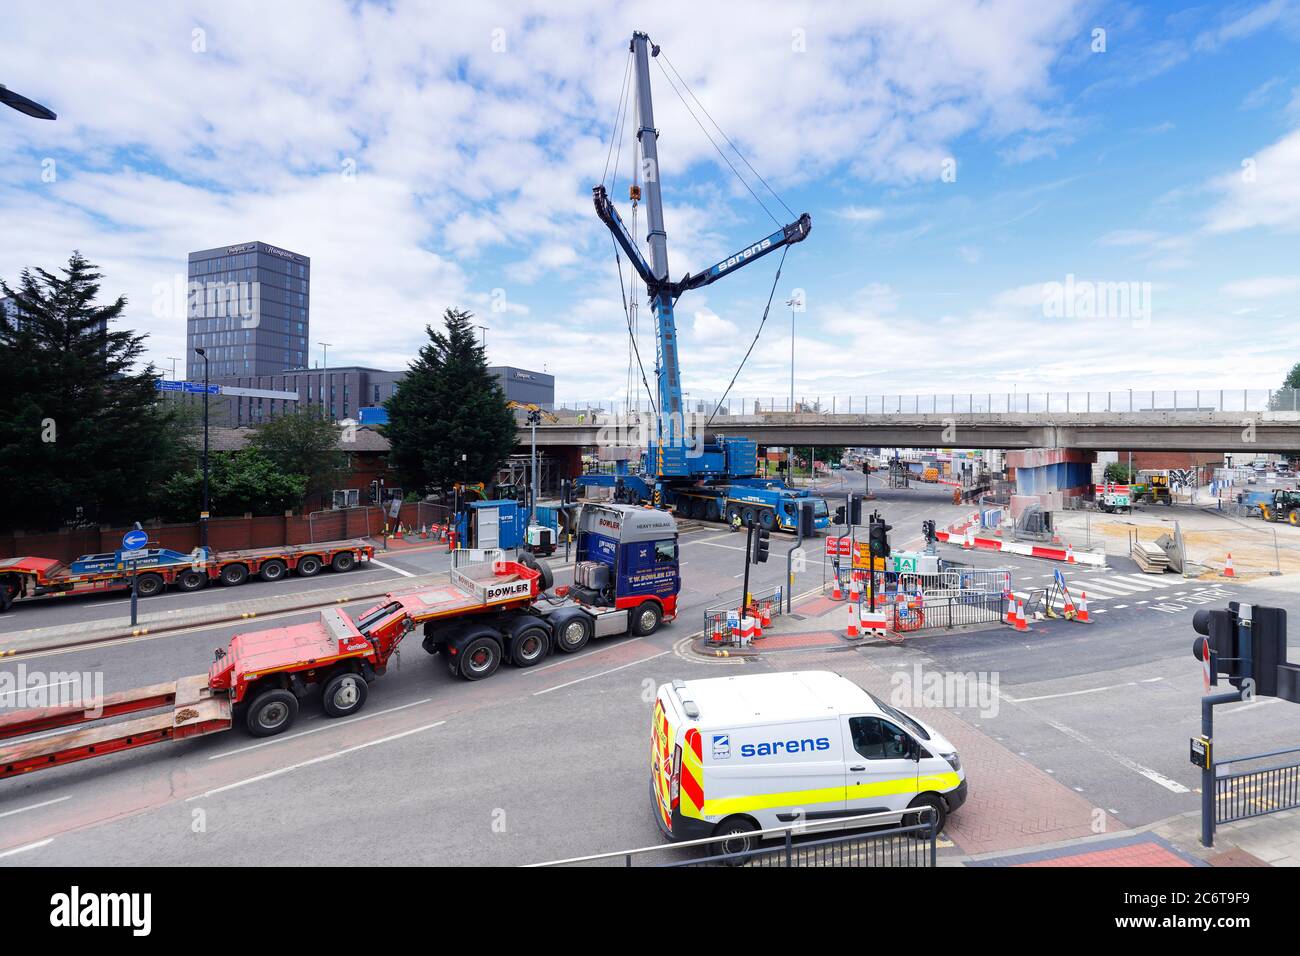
[{"x": 761, "y": 545}]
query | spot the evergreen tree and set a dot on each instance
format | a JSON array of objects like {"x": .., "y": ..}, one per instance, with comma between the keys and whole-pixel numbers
[
  {"x": 449, "y": 405},
  {"x": 83, "y": 436}
]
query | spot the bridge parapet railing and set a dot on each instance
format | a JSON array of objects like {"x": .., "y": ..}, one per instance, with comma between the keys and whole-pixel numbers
[{"x": 1031, "y": 402}]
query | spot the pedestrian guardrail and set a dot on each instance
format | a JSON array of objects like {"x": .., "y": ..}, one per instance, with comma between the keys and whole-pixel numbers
[
  {"x": 770, "y": 600},
  {"x": 1256, "y": 792},
  {"x": 930, "y": 612},
  {"x": 896, "y": 838}
]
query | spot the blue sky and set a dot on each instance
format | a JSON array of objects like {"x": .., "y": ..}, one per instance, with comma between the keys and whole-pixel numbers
[{"x": 427, "y": 155}]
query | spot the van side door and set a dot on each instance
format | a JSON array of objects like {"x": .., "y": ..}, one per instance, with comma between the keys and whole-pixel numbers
[{"x": 879, "y": 770}]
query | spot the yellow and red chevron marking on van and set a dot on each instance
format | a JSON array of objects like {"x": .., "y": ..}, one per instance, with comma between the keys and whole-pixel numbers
[
  {"x": 661, "y": 762},
  {"x": 692, "y": 786}
]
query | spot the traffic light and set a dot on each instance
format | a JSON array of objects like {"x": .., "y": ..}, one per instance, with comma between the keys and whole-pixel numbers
[
  {"x": 855, "y": 510},
  {"x": 840, "y": 515},
  {"x": 1248, "y": 643},
  {"x": 761, "y": 545},
  {"x": 807, "y": 519},
  {"x": 879, "y": 535}
]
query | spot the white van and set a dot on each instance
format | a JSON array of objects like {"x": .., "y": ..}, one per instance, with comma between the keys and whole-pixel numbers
[{"x": 730, "y": 755}]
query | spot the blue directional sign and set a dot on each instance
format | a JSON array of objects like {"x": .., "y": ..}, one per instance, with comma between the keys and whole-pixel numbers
[
  {"x": 134, "y": 540},
  {"x": 164, "y": 385}
]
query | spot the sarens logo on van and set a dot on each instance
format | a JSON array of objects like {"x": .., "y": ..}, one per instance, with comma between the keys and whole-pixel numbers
[
  {"x": 721, "y": 746},
  {"x": 770, "y": 748}
]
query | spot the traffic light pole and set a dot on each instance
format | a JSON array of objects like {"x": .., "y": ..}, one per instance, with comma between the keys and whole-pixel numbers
[
  {"x": 1207, "y": 769},
  {"x": 749, "y": 551}
]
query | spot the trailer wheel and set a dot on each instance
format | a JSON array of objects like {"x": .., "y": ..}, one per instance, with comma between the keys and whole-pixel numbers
[
  {"x": 271, "y": 712},
  {"x": 344, "y": 694},
  {"x": 273, "y": 570},
  {"x": 233, "y": 574},
  {"x": 647, "y": 618},
  {"x": 191, "y": 580},
  {"x": 480, "y": 658},
  {"x": 343, "y": 561},
  {"x": 148, "y": 585},
  {"x": 573, "y": 633},
  {"x": 308, "y": 565},
  {"x": 529, "y": 646}
]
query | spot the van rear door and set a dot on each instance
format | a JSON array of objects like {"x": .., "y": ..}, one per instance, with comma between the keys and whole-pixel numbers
[
  {"x": 878, "y": 773},
  {"x": 665, "y": 760}
]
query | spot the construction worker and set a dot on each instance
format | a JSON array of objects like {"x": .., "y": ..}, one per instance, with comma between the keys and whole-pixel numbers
[{"x": 735, "y": 521}]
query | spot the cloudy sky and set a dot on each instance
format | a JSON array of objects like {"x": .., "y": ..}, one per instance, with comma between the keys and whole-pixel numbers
[{"x": 965, "y": 165}]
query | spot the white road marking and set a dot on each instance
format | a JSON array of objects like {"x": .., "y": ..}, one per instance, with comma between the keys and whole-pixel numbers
[
  {"x": 569, "y": 658},
  {"x": 315, "y": 730},
  {"x": 390, "y": 567},
  {"x": 1076, "y": 693},
  {"x": 1154, "y": 776},
  {"x": 24, "y": 849},
  {"x": 1120, "y": 607},
  {"x": 314, "y": 760},
  {"x": 601, "y": 674},
  {"x": 713, "y": 544},
  {"x": 1231, "y": 710},
  {"x": 35, "y": 806}
]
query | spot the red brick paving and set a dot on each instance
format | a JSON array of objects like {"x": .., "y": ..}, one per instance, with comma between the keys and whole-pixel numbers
[
  {"x": 1146, "y": 853},
  {"x": 813, "y": 639}
]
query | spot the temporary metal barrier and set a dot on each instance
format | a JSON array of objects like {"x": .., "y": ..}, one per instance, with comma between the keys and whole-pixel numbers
[
  {"x": 930, "y": 612},
  {"x": 716, "y": 618},
  {"x": 1253, "y": 793},
  {"x": 336, "y": 524},
  {"x": 898, "y": 838},
  {"x": 466, "y": 557}
]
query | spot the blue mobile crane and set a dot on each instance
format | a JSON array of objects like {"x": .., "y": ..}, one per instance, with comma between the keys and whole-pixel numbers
[{"x": 705, "y": 477}]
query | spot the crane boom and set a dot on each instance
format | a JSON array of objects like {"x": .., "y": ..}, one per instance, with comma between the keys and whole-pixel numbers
[{"x": 663, "y": 293}]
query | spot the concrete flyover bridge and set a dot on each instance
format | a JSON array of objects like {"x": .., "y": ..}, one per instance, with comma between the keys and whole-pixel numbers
[{"x": 1227, "y": 420}]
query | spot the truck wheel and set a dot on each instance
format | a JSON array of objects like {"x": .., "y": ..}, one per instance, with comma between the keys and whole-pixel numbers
[
  {"x": 480, "y": 658},
  {"x": 748, "y": 516},
  {"x": 737, "y": 837},
  {"x": 711, "y": 512},
  {"x": 233, "y": 574},
  {"x": 647, "y": 618},
  {"x": 530, "y": 646},
  {"x": 308, "y": 565},
  {"x": 766, "y": 519},
  {"x": 273, "y": 570},
  {"x": 148, "y": 585},
  {"x": 732, "y": 511},
  {"x": 271, "y": 712},
  {"x": 343, "y": 561},
  {"x": 191, "y": 580},
  {"x": 573, "y": 633},
  {"x": 545, "y": 578},
  {"x": 344, "y": 694}
]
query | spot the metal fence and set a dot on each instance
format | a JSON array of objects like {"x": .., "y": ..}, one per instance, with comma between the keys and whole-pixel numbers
[
  {"x": 930, "y": 612},
  {"x": 889, "y": 839},
  {"x": 334, "y": 524},
  {"x": 716, "y": 618},
  {"x": 1126, "y": 400},
  {"x": 1256, "y": 792}
]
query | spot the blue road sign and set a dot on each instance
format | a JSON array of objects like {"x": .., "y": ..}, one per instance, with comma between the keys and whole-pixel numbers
[
  {"x": 134, "y": 540},
  {"x": 164, "y": 385}
]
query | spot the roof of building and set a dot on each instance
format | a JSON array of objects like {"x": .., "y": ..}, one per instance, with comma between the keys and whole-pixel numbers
[{"x": 364, "y": 439}]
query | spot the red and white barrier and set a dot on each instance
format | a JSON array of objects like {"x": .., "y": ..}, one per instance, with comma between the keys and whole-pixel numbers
[{"x": 968, "y": 539}]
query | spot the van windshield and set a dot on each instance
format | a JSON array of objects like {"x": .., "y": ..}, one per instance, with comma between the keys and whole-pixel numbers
[{"x": 900, "y": 717}]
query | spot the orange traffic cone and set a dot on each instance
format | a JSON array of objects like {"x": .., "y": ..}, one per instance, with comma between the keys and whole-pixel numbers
[
  {"x": 1227, "y": 570},
  {"x": 854, "y": 594},
  {"x": 836, "y": 593},
  {"x": 1069, "y": 554},
  {"x": 1021, "y": 623},
  {"x": 1069, "y": 611},
  {"x": 1081, "y": 615},
  {"x": 853, "y": 620},
  {"x": 1010, "y": 616},
  {"x": 767, "y": 614}
]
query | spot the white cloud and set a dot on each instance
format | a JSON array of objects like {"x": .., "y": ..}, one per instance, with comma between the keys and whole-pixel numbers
[
  {"x": 860, "y": 213},
  {"x": 1264, "y": 193},
  {"x": 1264, "y": 287}
]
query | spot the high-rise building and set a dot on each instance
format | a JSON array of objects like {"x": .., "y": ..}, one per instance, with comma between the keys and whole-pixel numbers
[{"x": 249, "y": 308}]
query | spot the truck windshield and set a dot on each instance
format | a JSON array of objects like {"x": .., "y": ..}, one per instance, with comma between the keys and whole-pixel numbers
[
  {"x": 900, "y": 717},
  {"x": 819, "y": 508}
]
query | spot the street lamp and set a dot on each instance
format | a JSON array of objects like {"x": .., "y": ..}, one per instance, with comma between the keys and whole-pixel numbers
[
  {"x": 23, "y": 105},
  {"x": 173, "y": 359},
  {"x": 327, "y": 404},
  {"x": 793, "y": 303},
  {"x": 203, "y": 515},
  {"x": 484, "y": 330}
]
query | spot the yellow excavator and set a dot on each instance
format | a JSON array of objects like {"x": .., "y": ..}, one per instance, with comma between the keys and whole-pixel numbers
[{"x": 532, "y": 409}]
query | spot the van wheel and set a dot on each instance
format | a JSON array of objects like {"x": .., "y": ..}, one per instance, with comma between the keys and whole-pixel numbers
[
  {"x": 573, "y": 634},
  {"x": 647, "y": 619},
  {"x": 233, "y": 574},
  {"x": 529, "y": 647},
  {"x": 480, "y": 658},
  {"x": 308, "y": 565},
  {"x": 344, "y": 694},
  {"x": 735, "y": 837},
  {"x": 343, "y": 561},
  {"x": 271, "y": 712},
  {"x": 917, "y": 819},
  {"x": 273, "y": 570}
]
